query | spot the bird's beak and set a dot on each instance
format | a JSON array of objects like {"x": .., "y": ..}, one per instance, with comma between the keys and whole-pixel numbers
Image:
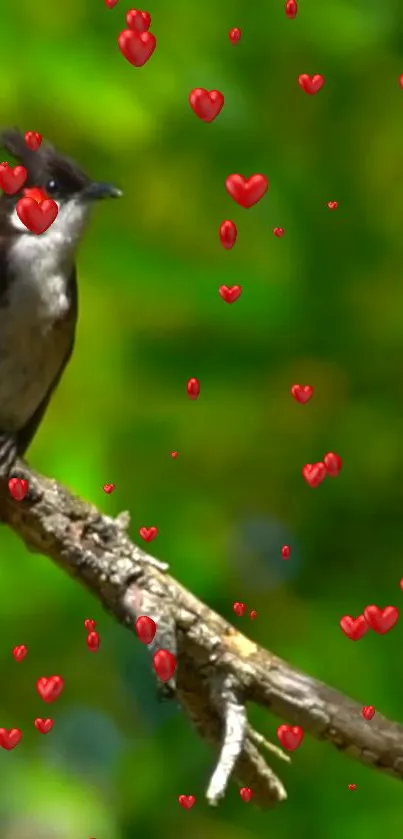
[{"x": 96, "y": 191}]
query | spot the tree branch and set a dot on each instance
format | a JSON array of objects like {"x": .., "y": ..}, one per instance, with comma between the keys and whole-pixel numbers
[{"x": 218, "y": 669}]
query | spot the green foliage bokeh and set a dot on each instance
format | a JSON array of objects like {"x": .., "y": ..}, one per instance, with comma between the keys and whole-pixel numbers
[{"x": 323, "y": 305}]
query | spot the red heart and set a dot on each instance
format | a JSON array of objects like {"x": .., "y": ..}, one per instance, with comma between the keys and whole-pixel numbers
[
  {"x": 228, "y": 234},
  {"x": 332, "y": 205},
  {"x": 111, "y": 3},
  {"x": 314, "y": 473},
  {"x": 139, "y": 21},
  {"x": 9, "y": 738},
  {"x": 193, "y": 388},
  {"x": 285, "y": 551},
  {"x": 49, "y": 688},
  {"x": 37, "y": 217},
  {"x": 290, "y": 736},
  {"x": 354, "y": 628},
  {"x": 164, "y": 664},
  {"x": 33, "y": 140},
  {"x": 108, "y": 488},
  {"x": 311, "y": 84},
  {"x": 146, "y": 629},
  {"x": 43, "y": 726},
  {"x": 174, "y": 454},
  {"x": 12, "y": 178},
  {"x": 333, "y": 464},
  {"x": 137, "y": 47},
  {"x": 278, "y": 231},
  {"x": 245, "y": 793},
  {"x": 291, "y": 8},
  {"x": 239, "y": 608},
  {"x": 230, "y": 293},
  {"x": 93, "y": 642},
  {"x": 352, "y": 786},
  {"x": 206, "y": 104},
  {"x": 148, "y": 533},
  {"x": 186, "y": 801},
  {"x": 253, "y": 614},
  {"x": 18, "y": 488},
  {"x": 381, "y": 620},
  {"x": 20, "y": 652},
  {"x": 247, "y": 191},
  {"x": 89, "y": 624},
  {"x": 234, "y": 35},
  {"x": 401, "y": 80},
  {"x": 302, "y": 393},
  {"x": 368, "y": 712}
]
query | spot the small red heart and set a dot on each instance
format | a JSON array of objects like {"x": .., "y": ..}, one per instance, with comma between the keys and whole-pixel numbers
[
  {"x": 111, "y": 3},
  {"x": 401, "y": 80},
  {"x": 245, "y": 793},
  {"x": 228, "y": 234},
  {"x": 247, "y": 191},
  {"x": 368, "y": 712},
  {"x": 235, "y": 35},
  {"x": 302, "y": 393},
  {"x": 49, "y": 688},
  {"x": 314, "y": 473},
  {"x": 187, "y": 801},
  {"x": 20, "y": 652},
  {"x": 90, "y": 624},
  {"x": 18, "y": 488},
  {"x": 354, "y": 628},
  {"x": 193, "y": 388},
  {"x": 291, "y": 9},
  {"x": 290, "y": 736},
  {"x": 9, "y": 738},
  {"x": 333, "y": 464},
  {"x": 381, "y": 620},
  {"x": 93, "y": 642},
  {"x": 148, "y": 533},
  {"x": 36, "y": 193},
  {"x": 174, "y": 454},
  {"x": 12, "y": 178},
  {"x": 285, "y": 551},
  {"x": 311, "y": 84},
  {"x": 37, "y": 217},
  {"x": 239, "y": 608},
  {"x": 253, "y": 614},
  {"x": 137, "y": 47},
  {"x": 206, "y": 104},
  {"x": 164, "y": 664},
  {"x": 332, "y": 205},
  {"x": 352, "y": 786},
  {"x": 108, "y": 488},
  {"x": 43, "y": 726},
  {"x": 278, "y": 231},
  {"x": 139, "y": 21},
  {"x": 145, "y": 628},
  {"x": 33, "y": 140},
  {"x": 230, "y": 293}
]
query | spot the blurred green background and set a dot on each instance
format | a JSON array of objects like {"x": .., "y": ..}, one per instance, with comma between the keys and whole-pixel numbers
[{"x": 321, "y": 306}]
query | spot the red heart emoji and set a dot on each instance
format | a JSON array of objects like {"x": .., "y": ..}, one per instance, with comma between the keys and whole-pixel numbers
[
  {"x": 139, "y": 21},
  {"x": 278, "y": 231},
  {"x": 285, "y": 551},
  {"x": 381, "y": 620},
  {"x": 228, "y": 234},
  {"x": 12, "y": 178},
  {"x": 354, "y": 628},
  {"x": 137, "y": 47},
  {"x": 332, "y": 205},
  {"x": 108, "y": 488},
  {"x": 290, "y": 736},
  {"x": 235, "y": 35},
  {"x": 9, "y": 738},
  {"x": 148, "y": 533},
  {"x": 36, "y": 193},
  {"x": 174, "y": 454},
  {"x": 164, "y": 664},
  {"x": 314, "y": 473},
  {"x": 145, "y": 628},
  {"x": 206, "y": 104},
  {"x": 186, "y": 801},
  {"x": 18, "y": 488},
  {"x": 291, "y": 9},
  {"x": 352, "y": 786},
  {"x": 253, "y": 614},
  {"x": 193, "y": 388},
  {"x": 33, "y": 140},
  {"x": 239, "y": 608},
  {"x": 37, "y": 217},
  {"x": 333, "y": 464},
  {"x": 20, "y": 652},
  {"x": 247, "y": 191},
  {"x": 93, "y": 642},
  {"x": 368, "y": 712},
  {"x": 111, "y": 3},
  {"x": 230, "y": 293},
  {"x": 311, "y": 84},
  {"x": 90, "y": 624},
  {"x": 43, "y": 726},
  {"x": 302, "y": 393},
  {"x": 49, "y": 688},
  {"x": 245, "y": 793}
]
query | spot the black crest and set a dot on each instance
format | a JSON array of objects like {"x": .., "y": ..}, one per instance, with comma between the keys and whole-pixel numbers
[{"x": 44, "y": 164}]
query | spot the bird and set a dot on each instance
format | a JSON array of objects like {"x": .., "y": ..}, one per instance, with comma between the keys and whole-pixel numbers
[{"x": 38, "y": 289}]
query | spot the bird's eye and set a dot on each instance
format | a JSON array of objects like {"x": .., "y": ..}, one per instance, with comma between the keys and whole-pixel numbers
[{"x": 52, "y": 187}]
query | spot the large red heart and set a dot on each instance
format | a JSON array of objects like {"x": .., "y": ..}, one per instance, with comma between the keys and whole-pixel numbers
[
  {"x": 230, "y": 293},
  {"x": 206, "y": 104},
  {"x": 43, "y": 726},
  {"x": 247, "y": 191},
  {"x": 37, "y": 217},
  {"x": 311, "y": 84},
  {"x": 186, "y": 801},
  {"x": 9, "y": 738},
  {"x": 314, "y": 473},
  {"x": 137, "y": 47},
  {"x": 49, "y": 688},
  {"x": 302, "y": 393},
  {"x": 290, "y": 736},
  {"x": 354, "y": 628},
  {"x": 148, "y": 533},
  {"x": 12, "y": 178},
  {"x": 381, "y": 620}
]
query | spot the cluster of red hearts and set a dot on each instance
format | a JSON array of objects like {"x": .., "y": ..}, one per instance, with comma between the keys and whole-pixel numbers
[
  {"x": 49, "y": 689},
  {"x": 35, "y": 209},
  {"x": 379, "y": 620},
  {"x": 240, "y": 609}
]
